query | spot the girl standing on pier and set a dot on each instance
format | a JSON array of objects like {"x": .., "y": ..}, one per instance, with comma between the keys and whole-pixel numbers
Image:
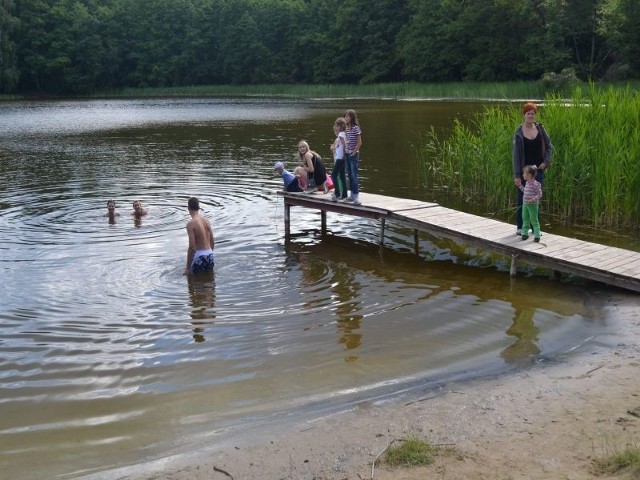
[
  {"x": 338, "y": 174},
  {"x": 354, "y": 142}
]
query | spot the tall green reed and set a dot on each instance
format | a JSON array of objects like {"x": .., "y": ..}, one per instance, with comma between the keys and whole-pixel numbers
[
  {"x": 457, "y": 90},
  {"x": 594, "y": 175}
]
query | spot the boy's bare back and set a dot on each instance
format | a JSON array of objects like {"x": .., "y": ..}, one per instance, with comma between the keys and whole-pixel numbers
[{"x": 200, "y": 233}]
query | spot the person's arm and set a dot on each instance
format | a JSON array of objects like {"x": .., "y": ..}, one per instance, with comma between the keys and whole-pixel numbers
[
  {"x": 548, "y": 148},
  {"x": 518, "y": 163},
  {"x": 190, "y": 250},
  {"x": 213, "y": 243},
  {"x": 343, "y": 140},
  {"x": 308, "y": 160},
  {"x": 358, "y": 144}
]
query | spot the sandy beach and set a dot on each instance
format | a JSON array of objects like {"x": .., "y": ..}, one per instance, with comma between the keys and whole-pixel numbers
[{"x": 546, "y": 422}]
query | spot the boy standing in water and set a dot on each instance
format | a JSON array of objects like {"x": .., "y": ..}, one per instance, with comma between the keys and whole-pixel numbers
[
  {"x": 201, "y": 243},
  {"x": 532, "y": 193}
]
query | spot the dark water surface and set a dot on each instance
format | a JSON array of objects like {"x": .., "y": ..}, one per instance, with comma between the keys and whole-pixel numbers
[{"x": 110, "y": 356}]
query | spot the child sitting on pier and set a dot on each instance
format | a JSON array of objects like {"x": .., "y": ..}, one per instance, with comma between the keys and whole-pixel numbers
[
  {"x": 289, "y": 180},
  {"x": 532, "y": 192}
]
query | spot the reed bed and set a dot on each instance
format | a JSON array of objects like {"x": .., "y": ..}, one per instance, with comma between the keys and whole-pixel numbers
[
  {"x": 406, "y": 90},
  {"x": 594, "y": 176}
]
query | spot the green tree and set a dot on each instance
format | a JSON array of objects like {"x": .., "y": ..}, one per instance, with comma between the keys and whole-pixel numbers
[
  {"x": 429, "y": 46},
  {"x": 8, "y": 60},
  {"x": 241, "y": 50},
  {"x": 620, "y": 26},
  {"x": 590, "y": 53},
  {"x": 378, "y": 61}
]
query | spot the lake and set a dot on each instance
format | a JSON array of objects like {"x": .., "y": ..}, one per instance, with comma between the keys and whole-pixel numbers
[{"x": 110, "y": 356}]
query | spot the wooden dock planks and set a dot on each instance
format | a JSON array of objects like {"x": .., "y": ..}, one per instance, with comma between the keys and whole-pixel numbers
[{"x": 611, "y": 265}]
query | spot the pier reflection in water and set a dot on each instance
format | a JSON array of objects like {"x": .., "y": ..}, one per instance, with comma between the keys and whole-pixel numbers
[{"x": 110, "y": 356}]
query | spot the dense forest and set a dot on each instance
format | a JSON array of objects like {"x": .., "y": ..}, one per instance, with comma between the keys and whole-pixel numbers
[{"x": 87, "y": 46}]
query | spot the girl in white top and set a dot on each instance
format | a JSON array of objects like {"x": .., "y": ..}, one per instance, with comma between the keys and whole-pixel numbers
[{"x": 339, "y": 172}]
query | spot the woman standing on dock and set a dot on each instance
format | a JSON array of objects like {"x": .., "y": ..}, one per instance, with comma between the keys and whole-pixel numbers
[
  {"x": 354, "y": 142},
  {"x": 531, "y": 146}
]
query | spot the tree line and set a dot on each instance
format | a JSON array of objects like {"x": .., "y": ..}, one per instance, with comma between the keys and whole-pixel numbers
[{"x": 87, "y": 46}]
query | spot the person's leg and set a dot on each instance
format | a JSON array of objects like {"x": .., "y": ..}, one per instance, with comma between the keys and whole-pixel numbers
[
  {"x": 311, "y": 183},
  {"x": 342, "y": 179},
  {"x": 347, "y": 159},
  {"x": 294, "y": 186},
  {"x": 519, "y": 201},
  {"x": 352, "y": 166},
  {"x": 335, "y": 175},
  {"x": 355, "y": 159},
  {"x": 540, "y": 178},
  {"x": 526, "y": 219},
  {"x": 535, "y": 220}
]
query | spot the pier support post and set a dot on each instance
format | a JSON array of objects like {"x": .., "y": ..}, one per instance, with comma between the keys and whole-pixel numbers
[
  {"x": 514, "y": 259},
  {"x": 287, "y": 220},
  {"x": 416, "y": 241},
  {"x": 323, "y": 222},
  {"x": 382, "y": 222}
]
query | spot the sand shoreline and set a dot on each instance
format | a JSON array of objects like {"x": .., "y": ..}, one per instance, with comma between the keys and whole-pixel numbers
[{"x": 546, "y": 422}]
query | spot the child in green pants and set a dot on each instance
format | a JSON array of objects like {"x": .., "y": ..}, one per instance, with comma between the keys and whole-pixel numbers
[{"x": 532, "y": 192}]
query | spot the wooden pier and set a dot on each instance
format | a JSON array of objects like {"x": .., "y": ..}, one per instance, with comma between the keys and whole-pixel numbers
[{"x": 610, "y": 265}]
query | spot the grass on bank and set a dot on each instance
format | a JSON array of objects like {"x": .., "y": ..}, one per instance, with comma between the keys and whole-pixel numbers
[
  {"x": 594, "y": 177},
  {"x": 625, "y": 461},
  {"x": 451, "y": 90},
  {"x": 410, "y": 453},
  {"x": 399, "y": 90}
]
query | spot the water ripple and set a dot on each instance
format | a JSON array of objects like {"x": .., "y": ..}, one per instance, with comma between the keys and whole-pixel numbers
[{"x": 109, "y": 353}]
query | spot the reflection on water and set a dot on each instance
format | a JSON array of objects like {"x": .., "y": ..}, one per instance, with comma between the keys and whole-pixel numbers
[
  {"x": 344, "y": 291},
  {"x": 524, "y": 349},
  {"x": 202, "y": 293},
  {"x": 109, "y": 355}
]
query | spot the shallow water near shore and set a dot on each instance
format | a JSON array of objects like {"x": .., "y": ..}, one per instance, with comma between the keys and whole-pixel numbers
[{"x": 109, "y": 356}]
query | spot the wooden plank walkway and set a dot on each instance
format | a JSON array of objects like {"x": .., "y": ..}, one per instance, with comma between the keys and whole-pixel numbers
[{"x": 610, "y": 265}]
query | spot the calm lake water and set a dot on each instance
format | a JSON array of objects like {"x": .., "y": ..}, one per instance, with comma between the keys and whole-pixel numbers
[{"x": 109, "y": 356}]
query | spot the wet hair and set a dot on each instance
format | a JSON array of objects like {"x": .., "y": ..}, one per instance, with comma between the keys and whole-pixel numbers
[
  {"x": 109, "y": 202},
  {"x": 341, "y": 123},
  {"x": 351, "y": 115},
  {"x": 531, "y": 170},
  {"x": 194, "y": 204},
  {"x": 529, "y": 106}
]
